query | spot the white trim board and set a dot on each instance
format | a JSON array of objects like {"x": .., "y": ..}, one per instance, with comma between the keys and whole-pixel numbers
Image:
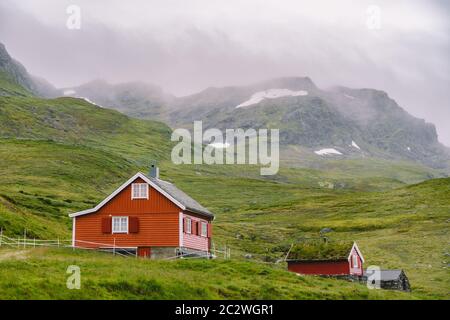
[
  {"x": 180, "y": 229},
  {"x": 120, "y": 224},
  {"x": 73, "y": 231},
  {"x": 355, "y": 246},
  {"x": 133, "y": 186},
  {"x": 122, "y": 187}
]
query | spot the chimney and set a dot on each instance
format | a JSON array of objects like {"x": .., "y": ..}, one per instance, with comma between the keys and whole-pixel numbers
[{"x": 154, "y": 170}]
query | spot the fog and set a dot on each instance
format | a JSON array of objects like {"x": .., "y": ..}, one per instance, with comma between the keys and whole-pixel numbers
[{"x": 187, "y": 45}]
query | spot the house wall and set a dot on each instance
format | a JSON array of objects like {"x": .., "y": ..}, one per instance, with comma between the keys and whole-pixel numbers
[
  {"x": 320, "y": 267},
  {"x": 158, "y": 222},
  {"x": 358, "y": 270},
  {"x": 193, "y": 241}
]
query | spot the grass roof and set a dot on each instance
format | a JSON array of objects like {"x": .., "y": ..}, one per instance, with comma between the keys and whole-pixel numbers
[{"x": 320, "y": 251}]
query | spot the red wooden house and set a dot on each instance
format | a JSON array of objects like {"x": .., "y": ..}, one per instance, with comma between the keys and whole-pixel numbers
[
  {"x": 146, "y": 216},
  {"x": 326, "y": 259}
]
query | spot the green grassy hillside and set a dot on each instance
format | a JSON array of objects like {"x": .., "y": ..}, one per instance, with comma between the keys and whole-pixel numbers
[
  {"x": 403, "y": 228},
  {"x": 43, "y": 276},
  {"x": 77, "y": 122},
  {"x": 60, "y": 155},
  {"x": 9, "y": 87}
]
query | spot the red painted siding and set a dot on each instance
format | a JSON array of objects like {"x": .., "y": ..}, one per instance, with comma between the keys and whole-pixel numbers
[
  {"x": 144, "y": 252},
  {"x": 158, "y": 222},
  {"x": 194, "y": 241},
  {"x": 123, "y": 202},
  {"x": 328, "y": 267},
  {"x": 320, "y": 267}
]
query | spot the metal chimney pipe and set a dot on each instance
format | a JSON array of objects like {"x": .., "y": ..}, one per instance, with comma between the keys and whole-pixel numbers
[{"x": 154, "y": 170}]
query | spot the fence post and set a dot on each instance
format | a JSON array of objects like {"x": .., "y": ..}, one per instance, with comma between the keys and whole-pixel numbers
[
  {"x": 34, "y": 243},
  {"x": 114, "y": 247},
  {"x": 1, "y": 236},
  {"x": 18, "y": 242},
  {"x": 58, "y": 242},
  {"x": 24, "y": 238}
]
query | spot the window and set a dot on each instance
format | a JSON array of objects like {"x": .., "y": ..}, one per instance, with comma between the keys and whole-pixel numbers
[
  {"x": 204, "y": 232},
  {"x": 188, "y": 225},
  {"x": 119, "y": 224},
  {"x": 139, "y": 191},
  {"x": 355, "y": 261}
]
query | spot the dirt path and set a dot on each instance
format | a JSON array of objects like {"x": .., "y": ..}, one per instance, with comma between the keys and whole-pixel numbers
[{"x": 18, "y": 254}]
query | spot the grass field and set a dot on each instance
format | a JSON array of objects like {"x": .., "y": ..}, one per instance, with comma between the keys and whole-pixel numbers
[{"x": 41, "y": 274}]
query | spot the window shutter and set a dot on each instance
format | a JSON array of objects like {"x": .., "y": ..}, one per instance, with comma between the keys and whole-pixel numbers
[
  {"x": 184, "y": 225},
  {"x": 106, "y": 225},
  {"x": 199, "y": 228},
  {"x": 209, "y": 230},
  {"x": 133, "y": 224}
]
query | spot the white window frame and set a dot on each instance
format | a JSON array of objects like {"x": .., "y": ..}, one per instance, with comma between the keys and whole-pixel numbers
[
  {"x": 204, "y": 229},
  {"x": 120, "y": 225},
  {"x": 355, "y": 261},
  {"x": 141, "y": 187},
  {"x": 189, "y": 225}
]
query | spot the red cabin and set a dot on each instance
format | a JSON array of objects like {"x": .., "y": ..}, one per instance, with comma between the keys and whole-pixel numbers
[
  {"x": 148, "y": 217},
  {"x": 326, "y": 259}
]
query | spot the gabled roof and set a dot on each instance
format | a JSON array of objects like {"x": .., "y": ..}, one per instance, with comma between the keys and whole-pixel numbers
[
  {"x": 170, "y": 191},
  {"x": 355, "y": 246},
  {"x": 322, "y": 251},
  {"x": 189, "y": 203},
  {"x": 386, "y": 275}
]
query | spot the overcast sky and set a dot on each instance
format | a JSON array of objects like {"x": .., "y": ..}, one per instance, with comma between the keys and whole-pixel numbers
[{"x": 188, "y": 45}]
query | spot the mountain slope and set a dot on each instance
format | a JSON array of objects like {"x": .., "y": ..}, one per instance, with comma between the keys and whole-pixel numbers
[
  {"x": 135, "y": 99},
  {"x": 353, "y": 122},
  {"x": 203, "y": 105},
  {"x": 15, "y": 79},
  {"x": 8, "y": 87},
  {"x": 76, "y": 121}
]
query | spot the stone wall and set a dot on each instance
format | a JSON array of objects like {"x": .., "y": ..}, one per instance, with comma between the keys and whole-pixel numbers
[
  {"x": 163, "y": 252},
  {"x": 401, "y": 283}
]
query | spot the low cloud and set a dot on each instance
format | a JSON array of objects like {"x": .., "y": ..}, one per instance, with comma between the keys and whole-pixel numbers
[{"x": 185, "y": 46}]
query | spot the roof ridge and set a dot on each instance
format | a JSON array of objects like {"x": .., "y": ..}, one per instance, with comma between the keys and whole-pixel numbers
[
  {"x": 181, "y": 196},
  {"x": 177, "y": 196}
]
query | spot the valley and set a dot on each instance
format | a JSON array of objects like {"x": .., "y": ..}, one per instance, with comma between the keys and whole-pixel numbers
[{"x": 63, "y": 154}]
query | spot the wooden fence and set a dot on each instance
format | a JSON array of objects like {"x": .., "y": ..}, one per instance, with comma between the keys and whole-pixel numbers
[{"x": 27, "y": 243}]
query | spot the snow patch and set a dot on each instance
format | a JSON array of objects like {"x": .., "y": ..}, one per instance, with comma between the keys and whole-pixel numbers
[
  {"x": 219, "y": 145},
  {"x": 271, "y": 94},
  {"x": 69, "y": 92},
  {"x": 355, "y": 145},
  {"x": 90, "y": 101},
  {"x": 349, "y": 96},
  {"x": 327, "y": 151}
]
